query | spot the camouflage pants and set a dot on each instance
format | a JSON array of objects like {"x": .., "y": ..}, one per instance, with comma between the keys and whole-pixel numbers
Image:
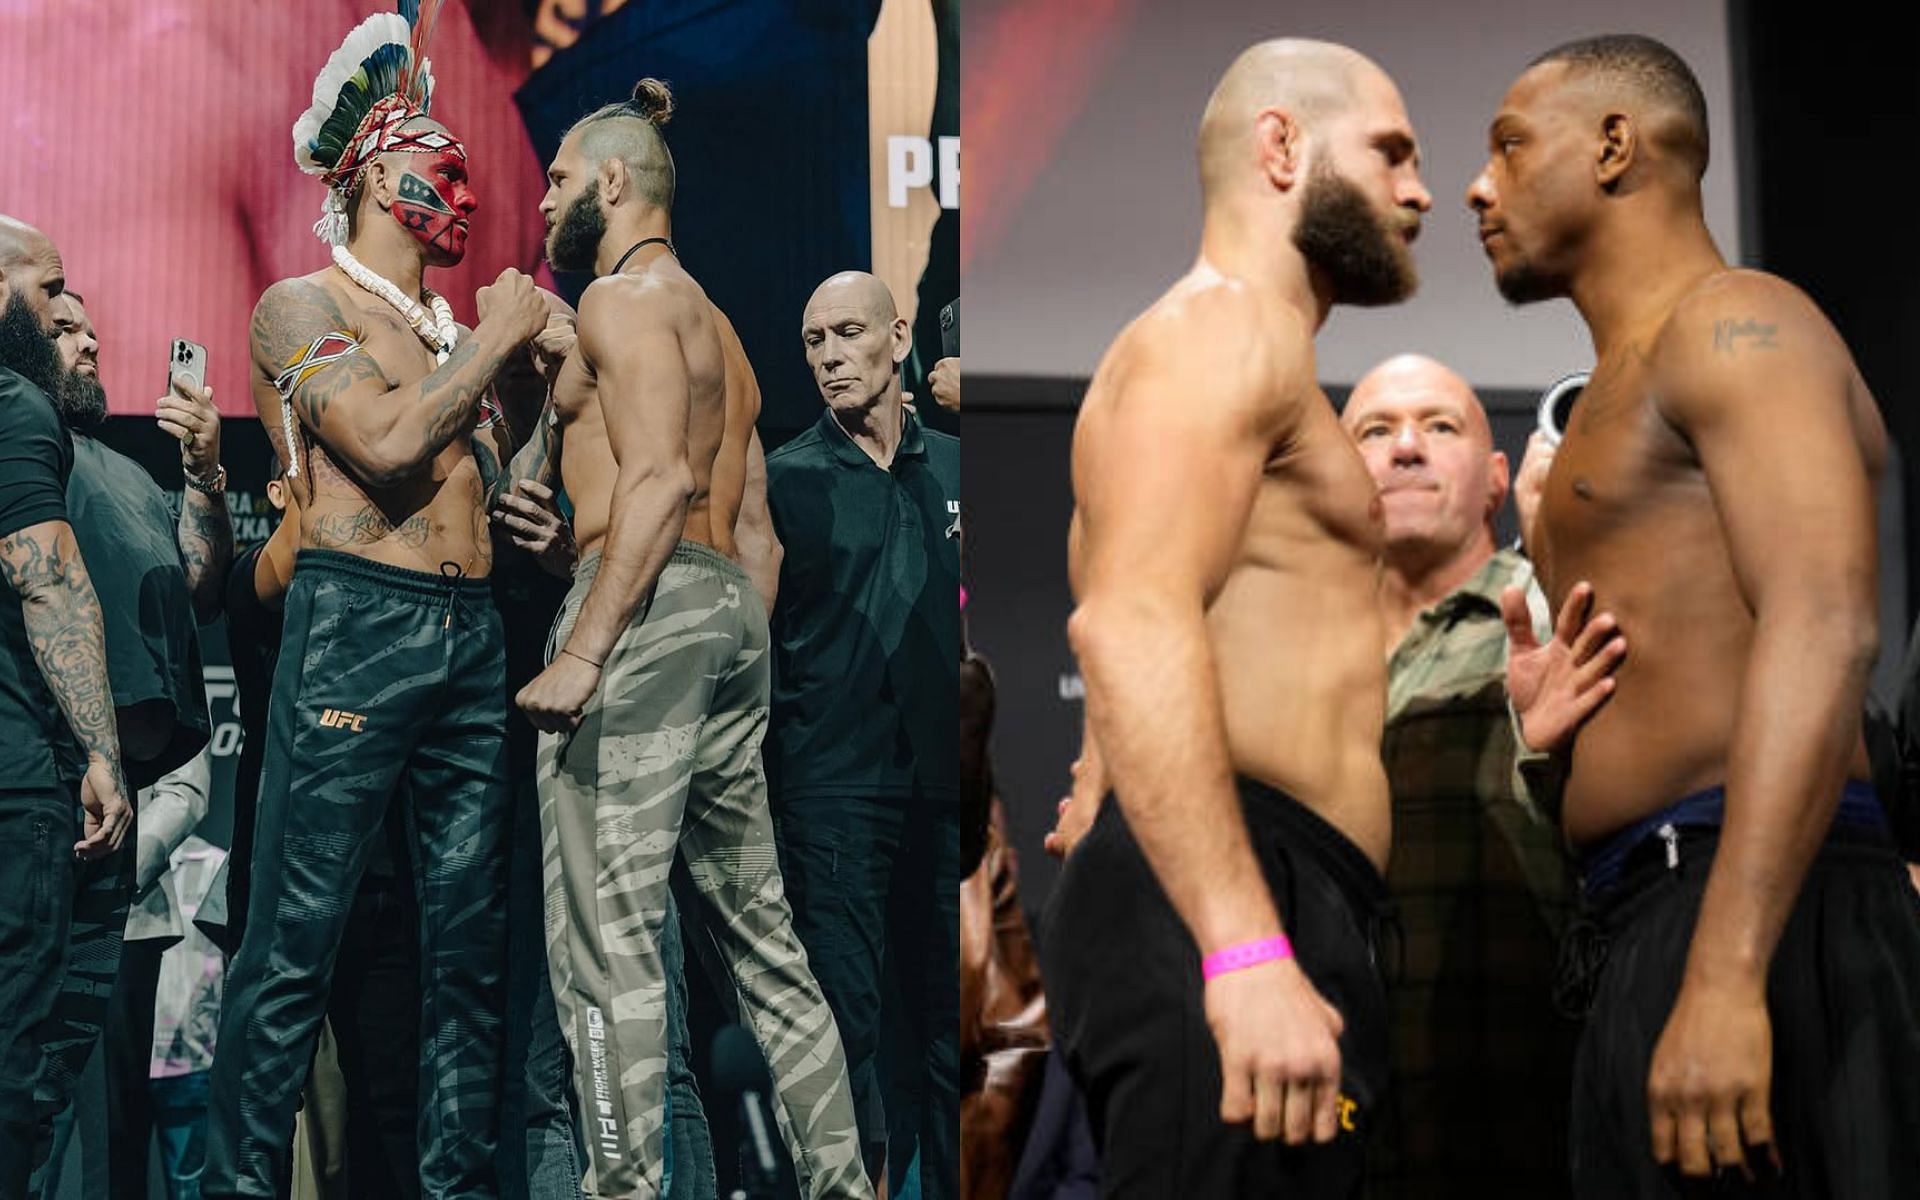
[{"x": 667, "y": 759}]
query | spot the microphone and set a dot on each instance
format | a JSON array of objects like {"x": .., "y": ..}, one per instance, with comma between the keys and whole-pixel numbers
[
  {"x": 738, "y": 1070},
  {"x": 1556, "y": 406}
]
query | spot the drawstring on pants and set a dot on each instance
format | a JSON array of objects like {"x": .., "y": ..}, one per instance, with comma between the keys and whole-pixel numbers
[{"x": 453, "y": 573}]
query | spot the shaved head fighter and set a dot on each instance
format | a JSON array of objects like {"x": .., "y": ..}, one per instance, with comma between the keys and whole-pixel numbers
[{"x": 1208, "y": 948}]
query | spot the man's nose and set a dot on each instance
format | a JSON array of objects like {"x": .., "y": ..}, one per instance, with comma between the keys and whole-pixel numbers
[
  {"x": 1408, "y": 445},
  {"x": 1417, "y": 197},
  {"x": 1480, "y": 192}
]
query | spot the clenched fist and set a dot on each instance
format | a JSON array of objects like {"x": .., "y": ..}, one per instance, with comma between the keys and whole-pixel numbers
[
  {"x": 557, "y": 697},
  {"x": 1279, "y": 1043},
  {"x": 513, "y": 307}
]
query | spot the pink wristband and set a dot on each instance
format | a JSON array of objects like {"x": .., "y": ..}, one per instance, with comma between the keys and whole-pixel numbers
[{"x": 1246, "y": 954}]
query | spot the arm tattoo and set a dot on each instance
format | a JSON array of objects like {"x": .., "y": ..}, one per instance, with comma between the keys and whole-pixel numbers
[
  {"x": 1728, "y": 335},
  {"x": 62, "y": 618},
  {"x": 535, "y": 459},
  {"x": 205, "y": 537},
  {"x": 488, "y": 461},
  {"x": 318, "y": 375},
  {"x": 299, "y": 334},
  {"x": 289, "y": 317},
  {"x": 455, "y": 400},
  {"x": 303, "y": 339}
]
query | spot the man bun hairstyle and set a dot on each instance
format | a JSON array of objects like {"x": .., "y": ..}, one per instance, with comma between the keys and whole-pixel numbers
[
  {"x": 629, "y": 130},
  {"x": 653, "y": 100}
]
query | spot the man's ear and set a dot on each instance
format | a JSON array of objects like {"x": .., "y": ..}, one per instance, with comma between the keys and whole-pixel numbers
[
  {"x": 380, "y": 183},
  {"x": 1499, "y": 482},
  {"x": 615, "y": 179},
  {"x": 1619, "y": 147},
  {"x": 1281, "y": 145},
  {"x": 902, "y": 334}
]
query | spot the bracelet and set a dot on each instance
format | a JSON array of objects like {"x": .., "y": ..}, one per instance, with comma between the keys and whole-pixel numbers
[
  {"x": 208, "y": 485},
  {"x": 1246, "y": 954},
  {"x": 583, "y": 658}
]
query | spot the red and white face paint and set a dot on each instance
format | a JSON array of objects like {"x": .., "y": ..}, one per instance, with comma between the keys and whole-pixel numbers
[{"x": 435, "y": 200}]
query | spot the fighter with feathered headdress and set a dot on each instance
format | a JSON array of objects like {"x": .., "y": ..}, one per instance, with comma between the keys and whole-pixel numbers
[
  {"x": 378, "y": 80},
  {"x": 373, "y": 395}
]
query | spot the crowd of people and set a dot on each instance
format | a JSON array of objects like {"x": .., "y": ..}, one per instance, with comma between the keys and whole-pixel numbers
[
  {"x": 1400, "y": 862},
  {"x": 566, "y": 707}
]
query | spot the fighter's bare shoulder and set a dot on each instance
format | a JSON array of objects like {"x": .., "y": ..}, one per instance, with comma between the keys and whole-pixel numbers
[
  {"x": 291, "y": 314},
  {"x": 1739, "y": 336},
  {"x": 1212, "y": 345},
  {"x": 650, "y": 293},
  {"x": 614, "y": 308}
]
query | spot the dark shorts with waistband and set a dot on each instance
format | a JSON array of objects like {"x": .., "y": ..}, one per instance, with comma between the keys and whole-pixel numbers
[
  {"x": 1843, "y": 993},
  {"x": 1125, "y": 997}
]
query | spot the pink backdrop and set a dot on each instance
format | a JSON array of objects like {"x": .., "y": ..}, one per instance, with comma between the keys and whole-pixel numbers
[{"x": 151, "y": 139}]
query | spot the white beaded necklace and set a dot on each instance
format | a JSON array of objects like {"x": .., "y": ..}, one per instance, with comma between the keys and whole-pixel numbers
[{"x": 439, "y": 333}]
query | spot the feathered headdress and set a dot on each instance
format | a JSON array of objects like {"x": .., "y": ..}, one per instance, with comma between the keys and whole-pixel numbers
[{"x": 377, "y": 81}]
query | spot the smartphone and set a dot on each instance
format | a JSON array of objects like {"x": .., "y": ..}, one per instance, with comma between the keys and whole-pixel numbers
[
  {"x": 189, "y": 359},
  {"x": 950, "y": 331}
]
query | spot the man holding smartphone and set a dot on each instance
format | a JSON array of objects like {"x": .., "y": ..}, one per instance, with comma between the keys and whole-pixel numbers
[{"x": 150, "y": 572}]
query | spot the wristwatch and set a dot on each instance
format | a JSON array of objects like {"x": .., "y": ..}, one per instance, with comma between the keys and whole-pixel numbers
[{"x": 215, "y": 486}]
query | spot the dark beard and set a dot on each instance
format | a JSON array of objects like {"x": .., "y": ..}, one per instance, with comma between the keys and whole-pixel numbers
[
  {"x": 1521, "y": 284},
  {"x": 575, "y": 239},
  {"x": 28, "y": 349},
  {"x": 82, "y": 401},
  {"x": 1341, "y": 234}
]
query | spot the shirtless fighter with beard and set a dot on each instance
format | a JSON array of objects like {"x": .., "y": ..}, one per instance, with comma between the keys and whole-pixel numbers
[
  {"x": 1225, "y": 553},
  {"x": 654, "y": 702}
]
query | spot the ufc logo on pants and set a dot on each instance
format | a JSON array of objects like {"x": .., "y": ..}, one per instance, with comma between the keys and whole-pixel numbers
[{"x": 335, "y": 718}]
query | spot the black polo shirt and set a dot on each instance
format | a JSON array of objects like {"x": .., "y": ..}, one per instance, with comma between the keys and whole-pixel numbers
[
  {"x": 866, "y": 629},
  {"x": 37, "y": 749}
]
